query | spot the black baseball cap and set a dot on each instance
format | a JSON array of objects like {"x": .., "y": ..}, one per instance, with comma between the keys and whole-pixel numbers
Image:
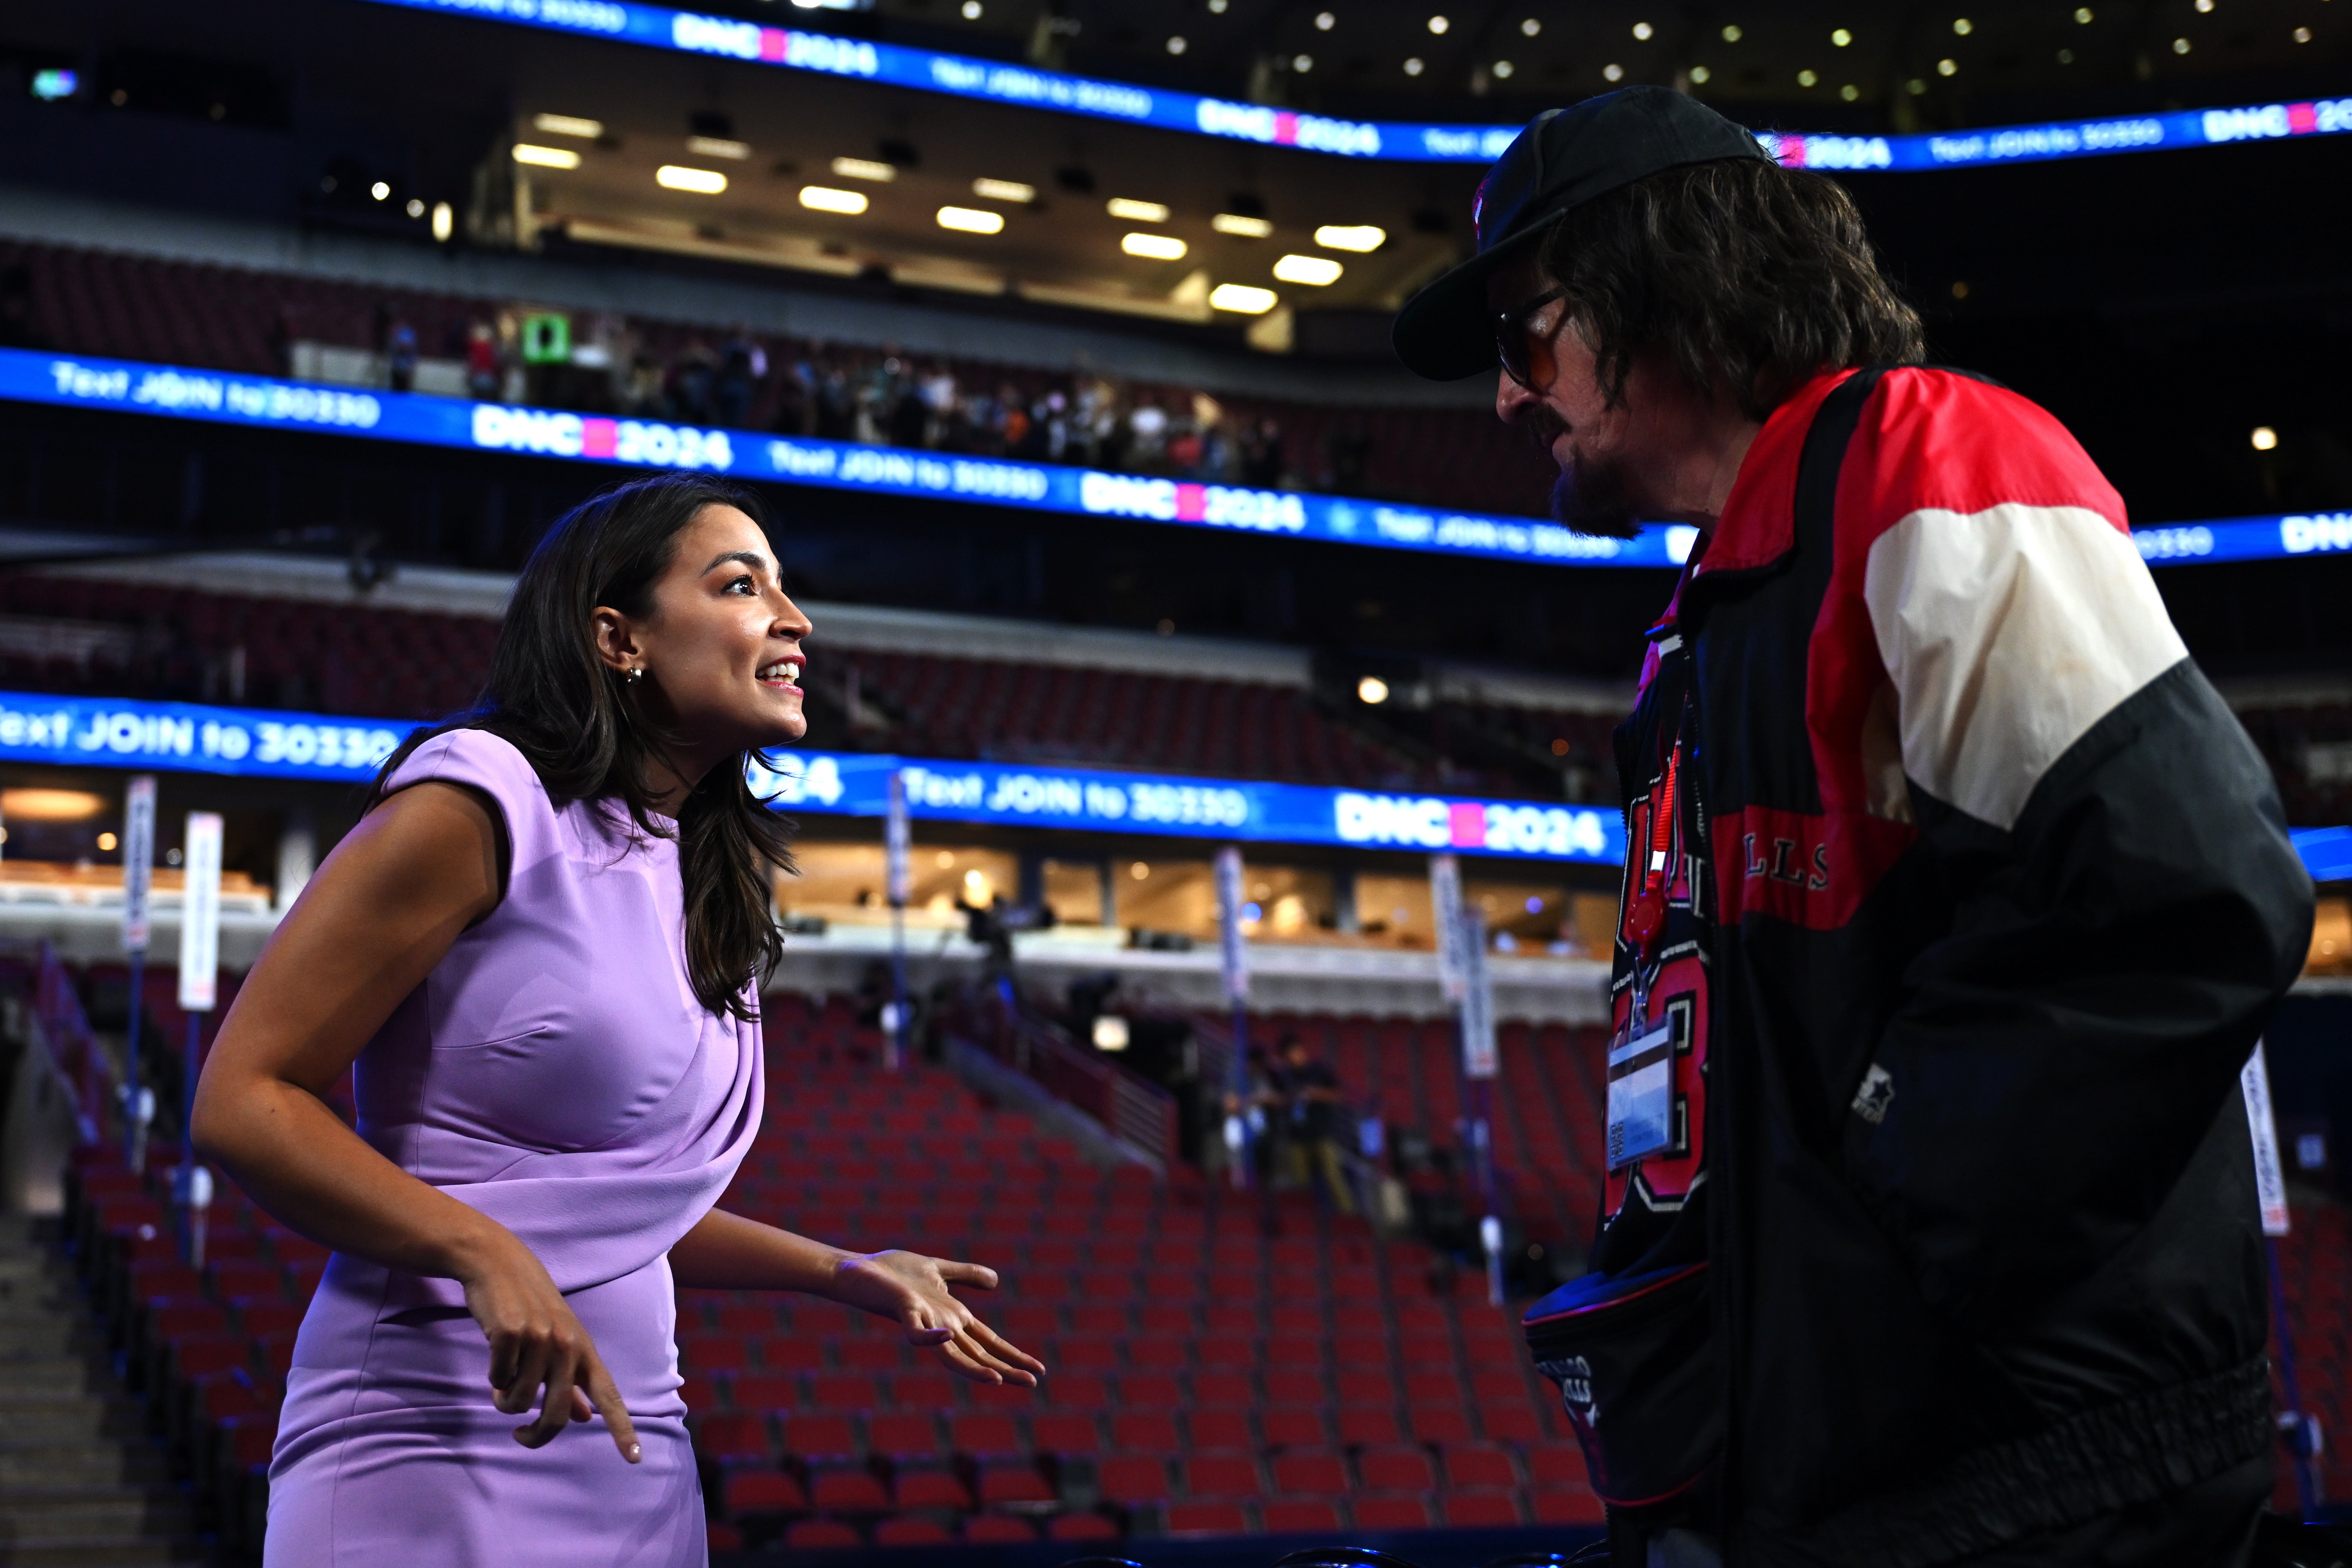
[{"x": 1565, "y": 157}]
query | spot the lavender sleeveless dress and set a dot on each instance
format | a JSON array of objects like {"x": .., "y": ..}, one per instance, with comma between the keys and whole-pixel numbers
[{"x": 555, "y": 1071}]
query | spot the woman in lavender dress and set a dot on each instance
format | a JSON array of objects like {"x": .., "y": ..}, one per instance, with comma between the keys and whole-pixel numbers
[{"x": 538, "y": 952}]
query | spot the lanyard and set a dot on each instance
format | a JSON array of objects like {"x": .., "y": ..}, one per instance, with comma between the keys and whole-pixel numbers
[{"x": 1648, "y": 916}]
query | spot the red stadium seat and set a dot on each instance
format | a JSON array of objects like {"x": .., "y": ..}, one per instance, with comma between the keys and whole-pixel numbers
[
  {"x": 1220, "y": 1476},
  {"x": 1065, "y": 1432},
  {"x": 752, "y": 1491},
  {"x": 902, "y": 1435},
  {"x": 1131, "y": 1479},
  {"x": 1396, "y": 1469},
  {"x": 820, "y": 1534},
  {"x": 1144, "y": 1432},
  {"x": 983, "y": 1434},
  {"x": 1481, "y": 1510},
  {"x": 929, "y": 1486},
  {"x": 733, "y": 1439},
  {"x": 818, "y": 1438},
  {"x": 1293, "y": 1426},
  {"x": 1557, "y": 1464},
  {"x": 1206, "y": 1519},
  {"x": 1569, "y": 1505},
  {"x": 1363, "y": 1426},
  {"x": 1393, "y": 1511},
  {"x": 848, "y": 1491},
  {"x": 763, "y": 1391},
  {"x": 1310, "y": 1474},
  {"x": 912, "y": 1532},
  {"x": 1000, "y": 1530},
  {"x": 1081, "y": 1527},
  {"x": 1298, "y": 1516},
  {"x": 1478, "y": 1466},
  {"x": 1013, "y": 1482}
]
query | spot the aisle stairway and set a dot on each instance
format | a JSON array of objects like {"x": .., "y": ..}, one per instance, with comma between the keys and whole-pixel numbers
[{"x": 81, "y": 1484}]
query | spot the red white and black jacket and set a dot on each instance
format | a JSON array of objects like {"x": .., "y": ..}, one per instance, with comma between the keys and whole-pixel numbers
[{"x": 1980, "y": 899}]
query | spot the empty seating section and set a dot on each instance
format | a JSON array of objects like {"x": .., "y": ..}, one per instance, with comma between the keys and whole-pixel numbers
[
  {"x": 214, "y": 317},
  {"x": 1207, "y": 1377},
  {"x": 268, "y": 652},
  {"x": 967, "y": 707}
]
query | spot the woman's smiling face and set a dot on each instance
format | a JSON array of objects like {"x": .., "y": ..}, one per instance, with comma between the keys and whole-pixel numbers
[{"x": 720, "y": 646}]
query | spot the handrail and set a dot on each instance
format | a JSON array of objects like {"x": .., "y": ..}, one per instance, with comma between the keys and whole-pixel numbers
[{"x": 1139, "y": 1112}]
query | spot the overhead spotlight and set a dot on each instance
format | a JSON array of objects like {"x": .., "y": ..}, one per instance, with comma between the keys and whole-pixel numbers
[
  {"x": 1314, "y": 271},
  {"x": 1848, "y": 93},
  {"x": 2179, "y": 46},
  {"x": 1154, "y": 247},
  {"x": 545, "y": 157},
  {"x": 718, "y": 147},
  {"x": 971, "y": 10},
  {"x": 379, "y": 190},
  {"x": 1643, "y": 30},
  {"x": 1612, "y": 71},
  {"x": 1700, "y": 74},
  {"x": 2265, "y": 439},
  {"x": 865, "y": 169},
  {"x": 1946, "y": 67},
  {"x": 1242, "y": 300},
  {"x": 2065, "y": 57},
  {"x": 971, "y": 220},
  {"x": 1731, "y": 34},
  {"x": 1963, "y": 27},
  {"x": 1840, "y": 37},
  {"x": 1005, "y": 191},
  {"x": 444, "y": 221},
  {"x": 1324, "y": 21},
  {"x": 1503, "y": 69},
  {"x": 1136, "y": 212},
  {"x": 2082, "y": 14},
  {"x": 1373, "y": 690},
  {"x": 2302, "y": 34},
  {"x": 1412, "y": 66},
  {"x": 1302, "y": 63},
  {"x": 1242, "y": 224},
  {"x": 415, "y": 208},
  {"x": 1806, "y": 79},
  {"x": 1531, "y": 27},
  {"x": 679, "y": 177},
  {"x": 1176, "y": 44},
  {"x": 825, "y": 199},
  {"x": 568, "y": 125},
  {"x": 1358, "y": 237},
  {"x": 1438, "y": 25}
]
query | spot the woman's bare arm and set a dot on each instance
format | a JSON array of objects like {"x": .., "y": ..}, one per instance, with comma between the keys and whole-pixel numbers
[
  {"x": 728, "y": 1252},
  {"x": 381, "y": 913}
]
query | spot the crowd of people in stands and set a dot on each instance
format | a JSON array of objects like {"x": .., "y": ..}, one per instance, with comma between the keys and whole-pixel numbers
[{"x": 877, "y": 397}]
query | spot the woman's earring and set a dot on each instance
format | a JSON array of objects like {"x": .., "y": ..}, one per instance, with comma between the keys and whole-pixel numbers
[{"x": 637, "y": 673}]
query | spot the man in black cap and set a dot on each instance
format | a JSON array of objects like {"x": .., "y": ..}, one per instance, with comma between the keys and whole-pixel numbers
[{"x": 1955, "y": 900}]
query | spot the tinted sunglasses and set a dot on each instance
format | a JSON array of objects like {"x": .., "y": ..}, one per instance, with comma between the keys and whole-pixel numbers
[{"x": 1521, "y": 354}]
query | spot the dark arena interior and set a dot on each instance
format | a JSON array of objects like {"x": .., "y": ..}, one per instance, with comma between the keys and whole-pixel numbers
[{"x": 1231, "y": 698}]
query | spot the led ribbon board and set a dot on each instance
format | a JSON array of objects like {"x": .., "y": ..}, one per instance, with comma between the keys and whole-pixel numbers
[
  {"x": 262, "y": 743},
  {"x": 996, "y": 81},
  {"x": 209, "y": 395},
  {"x": 430, "y": 421}
]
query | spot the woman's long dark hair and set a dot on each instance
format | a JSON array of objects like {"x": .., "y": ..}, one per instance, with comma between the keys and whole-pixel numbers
[{"x": 576, "y": 722}]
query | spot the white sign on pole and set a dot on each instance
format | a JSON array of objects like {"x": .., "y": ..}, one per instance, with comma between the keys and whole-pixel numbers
[
  {"x": 896, "y": 843},
  {"x": 137, "y": 859},
  {"x": 1446, "y": 907},
  {"x": 200, "y": 913},
  {"x": 1478, "y": 996},
  {"x": 2269, "y": 1177},
  {"x": 1229, "y": 922}
]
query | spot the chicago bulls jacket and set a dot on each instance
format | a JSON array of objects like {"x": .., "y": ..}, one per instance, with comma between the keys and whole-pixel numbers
[{"x": 1980, "y": 897}]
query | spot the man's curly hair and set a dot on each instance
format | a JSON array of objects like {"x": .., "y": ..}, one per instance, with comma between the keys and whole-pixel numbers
[{"x": 1749, "y": 276}]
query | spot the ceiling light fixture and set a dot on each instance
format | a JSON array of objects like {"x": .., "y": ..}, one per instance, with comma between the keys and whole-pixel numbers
[
  {"x": 865, "y": 169},
  {"x": 1840, "y": 37},
  {"x": 568, "y": 125},
  {"x": 971, "y": 10},
  {"x": 1412, "y": 66},
  {"x": 1848, "y": 93},
  {"x": 1372, "y": 689},
  {"x": 1303, "y": 64},
  {"x": 1361, "y": 238},
  {"x": 1176, "y": 44},
  {"x": 1731, "y": 34},
  {"x": 1806, "y": 79},
  {"x": 1612, "y": 71},
  {"x": 1643, "y": 30},
  {"x": 1242, "y": 300},
  {"x": 825, "y": 199},
  {"x": 1438, "y": 25},
  {"x": 1503, "y": 69},
  {"x": 1324, "y": 21},
  {"x": 1237, "y": 224},
  {"x": 380, "y": 190},
  {"x": 679, "y": 177},
  {"x": 971, "y": 220},
  {"x": 2302, "y": 34},
  {"x": 718, "y": 147},
  {"x": 1004, "y": 190},
  {"x": 1963, "y": 27},
  {"x": 1154, "y": 247},
  {"x": 1946, "y": 67},
  {"x": 546, "y": 157},
  {"x": 1700, "y": 74},
  {"x": 1136, "y": 212},
  {"x": 1314, "y": 271},
  {"x": 2179, "y": 46},
  {"x": 2082, "y": 14},
  {"x": 1531, "y": 26}
]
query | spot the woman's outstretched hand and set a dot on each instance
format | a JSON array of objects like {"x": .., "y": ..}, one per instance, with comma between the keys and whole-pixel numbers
[
  {"x": 535, "y": 1341},
  {"x": 912, "y": 1290}
]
